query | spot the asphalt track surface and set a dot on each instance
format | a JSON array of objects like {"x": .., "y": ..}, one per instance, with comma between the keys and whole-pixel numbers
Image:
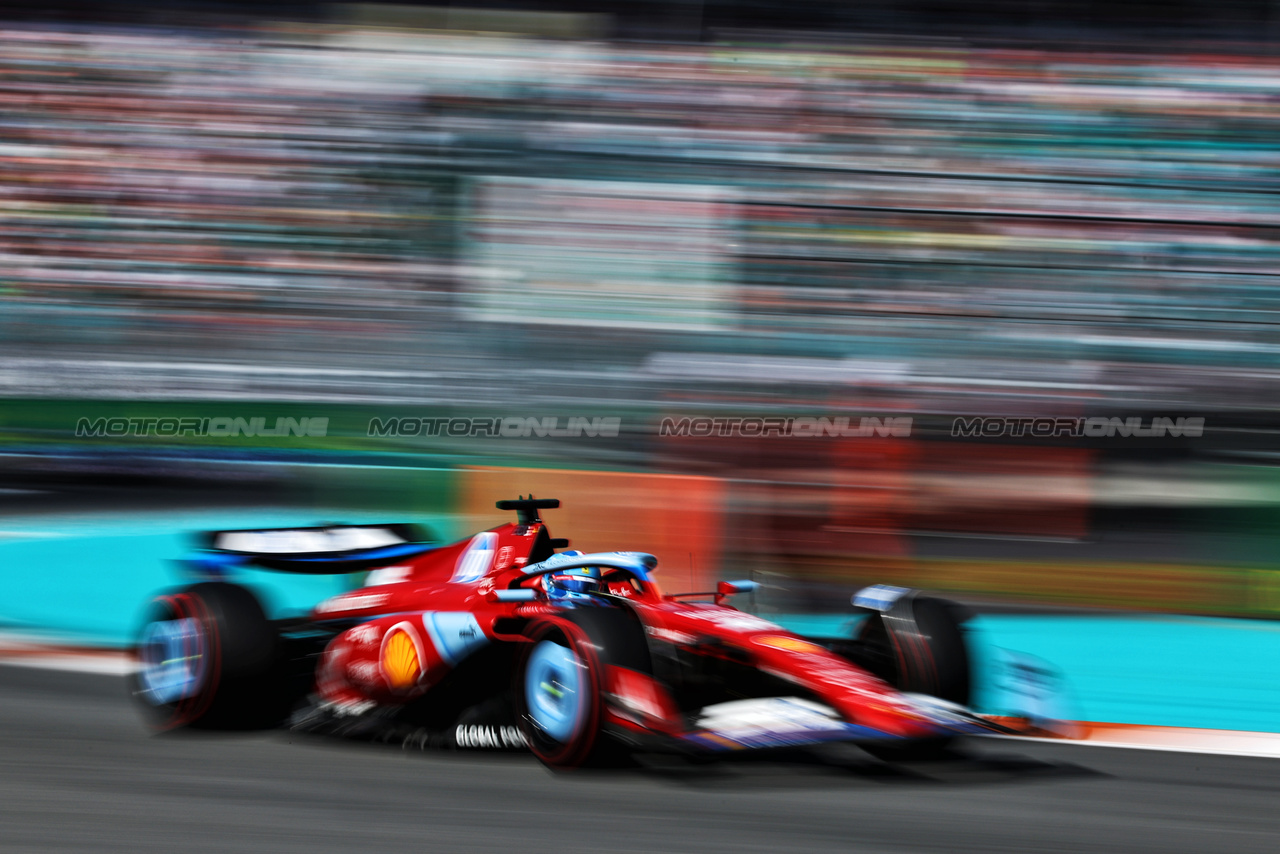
[{"x": 79, "y": 773}]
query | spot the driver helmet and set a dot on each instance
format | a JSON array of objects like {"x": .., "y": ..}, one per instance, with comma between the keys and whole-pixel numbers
[{"x": 578, "y": 581}]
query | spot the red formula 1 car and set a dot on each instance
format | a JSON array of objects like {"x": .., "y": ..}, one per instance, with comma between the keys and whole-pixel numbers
[{"x": 509, "y": 639}]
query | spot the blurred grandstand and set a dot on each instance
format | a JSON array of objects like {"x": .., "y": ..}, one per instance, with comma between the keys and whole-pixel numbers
[{"x": 677, "y": 209}]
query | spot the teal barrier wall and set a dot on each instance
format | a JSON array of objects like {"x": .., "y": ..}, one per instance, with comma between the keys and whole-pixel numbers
[
  {"x": 85, "y": 579},
  {"x": 1159, "y": 670}
]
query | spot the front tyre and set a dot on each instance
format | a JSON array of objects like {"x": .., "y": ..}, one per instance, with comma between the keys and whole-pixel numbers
[
  {"x": 557, "y": 694},
  {"x": 559, "y": 687},
  {"x": 919, "y": 645},
  {"x": 208, "y": 657},
  {"x": 556, "y": 691}
]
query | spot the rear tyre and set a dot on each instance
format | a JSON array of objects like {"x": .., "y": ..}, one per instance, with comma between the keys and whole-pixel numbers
[
  {"x": 209, "y": 658},
  {"x": 920, "y": 647}
]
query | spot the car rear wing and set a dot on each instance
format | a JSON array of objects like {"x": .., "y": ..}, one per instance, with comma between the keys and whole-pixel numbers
[{"x": 320, "y": 550}]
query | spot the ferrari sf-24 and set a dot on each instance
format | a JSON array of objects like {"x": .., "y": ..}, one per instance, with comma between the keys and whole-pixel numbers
[{"x": 510, "y": 639}]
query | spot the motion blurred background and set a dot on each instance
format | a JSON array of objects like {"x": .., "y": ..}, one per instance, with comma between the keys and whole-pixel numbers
[{"x": 649, "y": 212}]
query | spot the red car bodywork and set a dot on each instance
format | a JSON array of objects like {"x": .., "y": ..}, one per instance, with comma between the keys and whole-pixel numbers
[
  {"x": 502, "y": 641},
  {"x": 358, "y": 671}
]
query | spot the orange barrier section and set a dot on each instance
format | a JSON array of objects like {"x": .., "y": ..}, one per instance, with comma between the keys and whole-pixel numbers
[{"x": 678, "y": 518}]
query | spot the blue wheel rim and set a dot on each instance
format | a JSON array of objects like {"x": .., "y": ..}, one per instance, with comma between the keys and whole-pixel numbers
[
  {"x": 554, "y": 690},
  {"x": 172, "y": 654}
]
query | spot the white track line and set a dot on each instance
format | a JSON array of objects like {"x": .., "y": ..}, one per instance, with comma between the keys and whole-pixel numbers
[
  {"x": 1218, "y": 742},
  {"x": 28, "y": 651},
  {"x": 119, "y": 665}
]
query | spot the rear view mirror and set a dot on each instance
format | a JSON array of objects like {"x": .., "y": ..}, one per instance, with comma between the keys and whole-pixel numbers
[{"x": 725, "y": 589}]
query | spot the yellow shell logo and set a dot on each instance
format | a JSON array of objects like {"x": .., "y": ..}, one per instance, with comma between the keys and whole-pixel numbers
[
  {"x": 789, "y": 644},
  {"x": 400, "y": 660}
]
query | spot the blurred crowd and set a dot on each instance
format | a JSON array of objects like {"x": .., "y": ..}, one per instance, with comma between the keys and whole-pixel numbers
[{"x": 364, "y": 190}]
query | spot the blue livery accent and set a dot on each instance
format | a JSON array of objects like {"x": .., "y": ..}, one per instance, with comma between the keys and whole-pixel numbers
[
  {"x": 793, "y": 738},
  {"x": 639, "y": 564},
  {"x": 455, "y": 634},
  {"x": 879, "y": 597},
  {"x": 476, "y": 559},
  {"x": 214, "y": 564},
  {"x": 381, "y": 553}
]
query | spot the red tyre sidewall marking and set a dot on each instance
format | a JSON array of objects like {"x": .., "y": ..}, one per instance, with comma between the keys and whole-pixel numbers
[
  {"x": 189, "y": 709},
  {"x": 917, "y": 649}
]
